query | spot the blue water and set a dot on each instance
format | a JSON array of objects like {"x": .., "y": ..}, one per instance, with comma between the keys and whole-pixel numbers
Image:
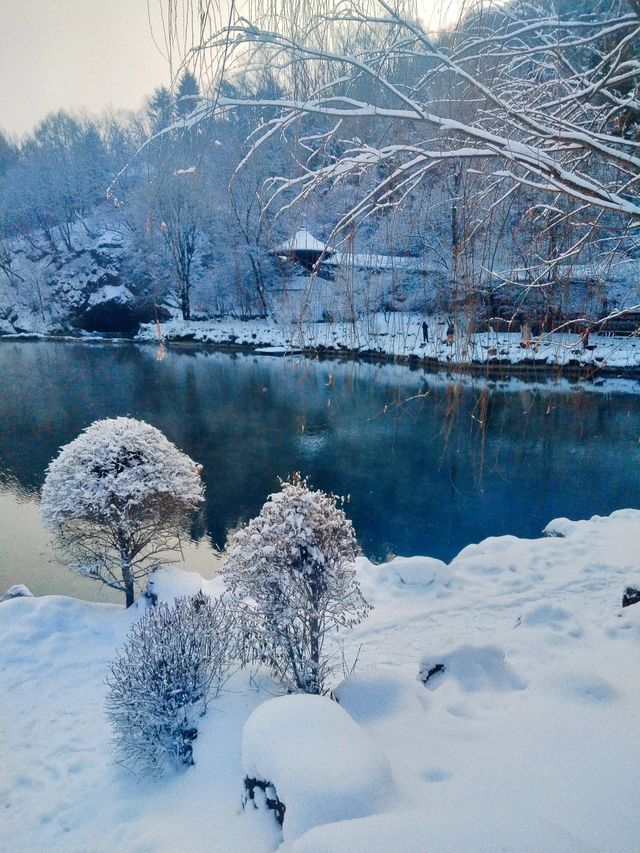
[{"x": 428, "y": 465}]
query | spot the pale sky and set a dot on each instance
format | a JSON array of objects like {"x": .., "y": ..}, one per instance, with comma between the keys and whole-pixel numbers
[
  {"x": 74, "y": 54},
  {"x": 84, "y": 55}
]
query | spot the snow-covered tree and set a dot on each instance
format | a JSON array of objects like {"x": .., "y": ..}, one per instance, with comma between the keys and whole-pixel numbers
[
  {"x": 523, "y": 100},
  {"x": 57, "y": 178},
  {"x": 8, "y": 154},
  {"x": 118, "y": 499},
  {"x": 172, "y": 661},
  {"x": 180, "y": 208},
  {"x": 504, "y": 90},
  {"x": 292, "y": 567}
]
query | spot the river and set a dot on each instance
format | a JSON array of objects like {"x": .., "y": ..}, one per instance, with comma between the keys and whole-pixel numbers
[{"x": 427, "y": 463}]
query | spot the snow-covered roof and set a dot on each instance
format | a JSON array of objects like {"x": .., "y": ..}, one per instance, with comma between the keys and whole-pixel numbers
[
  {"x": 373, "y": 261},
  {"x": 302, "y": 241}
]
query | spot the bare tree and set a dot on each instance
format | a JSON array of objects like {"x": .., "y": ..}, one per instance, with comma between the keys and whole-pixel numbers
[
  {"x": 531, "y": 102},
  {"x": 179, "y": 210}
]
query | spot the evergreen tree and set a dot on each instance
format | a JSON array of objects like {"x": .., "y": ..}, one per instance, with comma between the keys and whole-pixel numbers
[
  {"x": 160, "y": 109},
  {"x": 188, "y": 90}
]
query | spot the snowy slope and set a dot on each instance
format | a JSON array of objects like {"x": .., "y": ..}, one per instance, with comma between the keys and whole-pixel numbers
[{"x": 526, "y": 742}]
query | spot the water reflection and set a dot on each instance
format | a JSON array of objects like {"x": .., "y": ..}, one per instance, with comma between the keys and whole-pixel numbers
[{"x": 428, "y": 465}]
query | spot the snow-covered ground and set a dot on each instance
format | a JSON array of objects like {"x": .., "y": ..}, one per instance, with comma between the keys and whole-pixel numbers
[
  {"x": 400, "y": 336},
  {"x": 526, "y": 742}
]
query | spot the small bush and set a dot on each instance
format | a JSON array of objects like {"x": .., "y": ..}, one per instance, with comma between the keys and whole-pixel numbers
[
  {"x": 291, "y": 571},
  {"x": 173, "y": 660}
]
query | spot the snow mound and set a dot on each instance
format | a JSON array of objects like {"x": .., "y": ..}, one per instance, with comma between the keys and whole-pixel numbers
[
  {"x": 565, "y": 527},
  {"x": 551, "y": 769},
  {"x": 474, "y": 668},
  {"x": 323, "y": 766},
  {"x": 376, "y": 695},
  {"x": 416, "y": 575},
  {"x": 168, "y": 583},
  {"x": 420, "y": 571},
  {"x": 18, "y": 590},
  {"x": 492, "y": 831}
]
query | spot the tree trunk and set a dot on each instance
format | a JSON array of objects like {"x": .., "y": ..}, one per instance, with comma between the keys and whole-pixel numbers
[
  {"x": 185, "y": 302},
  {"x": 455, "y": 229},
  {"x": 127, "y": 576},
  {"x": 315, "y": 654},
  {"x": 257, "y": 272}
]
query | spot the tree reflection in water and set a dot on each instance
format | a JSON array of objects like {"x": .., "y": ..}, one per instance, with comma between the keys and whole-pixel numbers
[{"x": 430, "y": 462}]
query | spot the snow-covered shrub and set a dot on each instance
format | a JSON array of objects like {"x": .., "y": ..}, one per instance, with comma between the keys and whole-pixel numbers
[
  {"x": 292, "y": 567},
  {"x": 306, "y": 759},
  {"x": 118, "y": 498},
  {"x": 172, "y": 661}
]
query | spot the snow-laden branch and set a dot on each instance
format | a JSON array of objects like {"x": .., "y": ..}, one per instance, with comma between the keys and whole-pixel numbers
[{"x": 542, "y": 94}]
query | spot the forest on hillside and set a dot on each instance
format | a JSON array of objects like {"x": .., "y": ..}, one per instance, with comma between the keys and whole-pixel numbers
[{"x": 499, "y": 155}]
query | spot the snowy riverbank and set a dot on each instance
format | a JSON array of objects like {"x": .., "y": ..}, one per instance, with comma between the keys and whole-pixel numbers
[
  {"x": 525, "y": 742},
  {"x": 400, "y": 337},
  {"x": 396, "y": 337}
]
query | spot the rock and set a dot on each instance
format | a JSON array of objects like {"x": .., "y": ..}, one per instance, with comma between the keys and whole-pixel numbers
[
  {"x": 256, "y": 788},
  {"x": 474, "y": 668},
  {"x": 630, "y": 596},
  {"x": 428, "y": 672}
]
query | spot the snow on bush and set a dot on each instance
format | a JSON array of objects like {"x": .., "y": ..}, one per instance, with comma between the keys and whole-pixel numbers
[
  {"x": 118, "y": 498},
  {"x": 174, "y": 658},
  {"x": 293, "y": 569},
  {"x": 319, "y": 763}
]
